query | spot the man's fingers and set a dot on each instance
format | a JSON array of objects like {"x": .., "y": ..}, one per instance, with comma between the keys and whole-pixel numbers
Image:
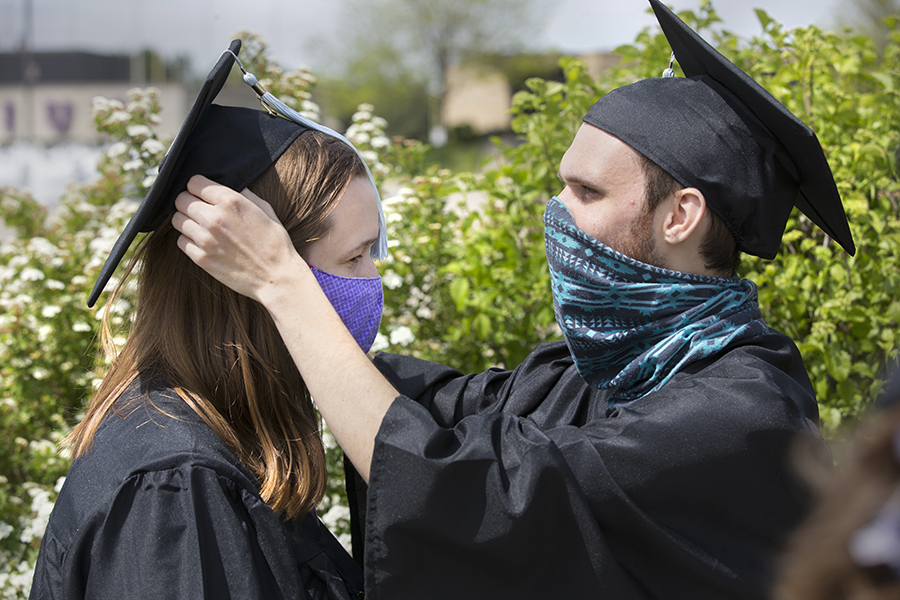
[
  {"x": 215, "y": 194},
  {"x": 190, "y": 206},
  {"x": 209, "y": 191},
  {"x": 260, "y": 203},
  {"x": 187, "y": 226}
]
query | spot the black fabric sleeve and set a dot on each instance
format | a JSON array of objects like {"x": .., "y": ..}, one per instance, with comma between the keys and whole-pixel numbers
[
  {"x": 451, "y": 396},
  {"x": 356, "y": 501}
]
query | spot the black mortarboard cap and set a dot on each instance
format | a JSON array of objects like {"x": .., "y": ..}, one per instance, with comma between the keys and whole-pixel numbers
[
  {"x": 718, "y": 130},
  {"x": 230, "y": 145}
]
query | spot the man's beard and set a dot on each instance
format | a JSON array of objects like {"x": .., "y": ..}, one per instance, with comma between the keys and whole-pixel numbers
[{"x": 638, "y": 242}]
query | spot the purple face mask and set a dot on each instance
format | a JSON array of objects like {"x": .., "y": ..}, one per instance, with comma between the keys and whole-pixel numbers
[{"x": 358, "y": 301}]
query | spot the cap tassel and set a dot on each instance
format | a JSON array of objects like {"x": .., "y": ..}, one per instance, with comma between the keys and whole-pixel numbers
[
  {"x": 279, "y": 109},
  {"x": 669, "y": 71}
]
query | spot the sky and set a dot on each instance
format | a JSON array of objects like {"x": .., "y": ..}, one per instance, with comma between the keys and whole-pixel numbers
[{"x": 201, "y": 28}]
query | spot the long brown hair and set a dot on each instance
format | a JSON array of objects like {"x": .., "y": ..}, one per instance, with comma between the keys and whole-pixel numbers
[{"x": 221, "y": 351}]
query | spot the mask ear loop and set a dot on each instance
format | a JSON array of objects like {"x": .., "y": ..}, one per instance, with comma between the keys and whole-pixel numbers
[{"x": 278, "y": 108}]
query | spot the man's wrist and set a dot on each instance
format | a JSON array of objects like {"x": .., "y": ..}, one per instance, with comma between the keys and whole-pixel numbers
[{"x": 285, "y": 283}]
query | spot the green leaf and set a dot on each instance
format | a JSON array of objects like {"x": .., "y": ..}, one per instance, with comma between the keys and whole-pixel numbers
[{"x": 459, "y": 291}]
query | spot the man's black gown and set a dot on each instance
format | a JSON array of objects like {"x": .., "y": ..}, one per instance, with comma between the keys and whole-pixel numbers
[
  {"x": 161, "y": 508},
  {"x": 523, "y": 484}
]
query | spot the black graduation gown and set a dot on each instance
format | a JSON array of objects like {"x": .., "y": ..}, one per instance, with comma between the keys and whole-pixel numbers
[
  {"x": 161, "y": 508},
  {"x": 522, "y": 484}
]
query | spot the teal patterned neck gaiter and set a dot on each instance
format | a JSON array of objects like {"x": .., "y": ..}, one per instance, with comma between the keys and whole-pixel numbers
[{"x": 631, "y": 326}]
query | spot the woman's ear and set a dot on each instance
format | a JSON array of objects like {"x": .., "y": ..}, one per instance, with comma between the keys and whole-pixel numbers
[{"x": 687, "y": 208}]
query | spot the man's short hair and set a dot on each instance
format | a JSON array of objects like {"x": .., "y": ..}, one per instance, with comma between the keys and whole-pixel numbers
[{"x": 718, "y": 248}]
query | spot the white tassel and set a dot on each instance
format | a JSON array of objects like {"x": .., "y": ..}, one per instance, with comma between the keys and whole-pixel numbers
[
  {"x": 275, "y": 106},
  {"x": 669, "y": 71}
]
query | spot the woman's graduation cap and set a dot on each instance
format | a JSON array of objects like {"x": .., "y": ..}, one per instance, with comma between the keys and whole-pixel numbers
[
  {"x": 721, "y": 132},
  {"x": 230, "y": 145}
]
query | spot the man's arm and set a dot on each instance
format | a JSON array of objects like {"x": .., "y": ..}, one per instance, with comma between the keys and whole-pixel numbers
[{"x": 237, "y": 239}]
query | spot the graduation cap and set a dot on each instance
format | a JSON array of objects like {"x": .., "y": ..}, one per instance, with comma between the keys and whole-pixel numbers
[
  {"x": 719, "y": 131},
  {"x": 230, "y": 145}
]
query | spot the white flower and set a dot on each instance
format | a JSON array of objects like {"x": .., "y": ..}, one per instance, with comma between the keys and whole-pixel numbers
[
  {"x": 380, "y": 142},
  {"x": 99, "y": 103},
  {"x": 44, "y": 332},
  {"x": 43, "y": 247},
  {"x": 328, "y": 440},
  {"x": 310, "y": 106},
  {"x": 117, "y": 149},
  {"x": 50, "y": 311},
  {"x": 391, "y": 280},
  {"x": 402, "y": 336},
  {"x": 81, "y": 327},
  {"x": 424, "y": 313},
  {"x": 138, "y": 131},
  {"x": 53, "y": 284},
  {"x": 42, "y": 447},
  {"x": 31, "y": 274},
  {"x": 41, "y": 506},
  {"x": 335, "y": 515},
  {"x": 40, "y": 373},
  {"x": 6, "y": 273},
  {"x": 346, "y": 541},
  {"x": 132, "y": 165},
  {"x": 153, "y": 146},
  {"x": 5, "y": 530},
  {"x": 120, "y": 116},
  {"x": 381, "y": 342},
  {"x": 17, "y": 261}
]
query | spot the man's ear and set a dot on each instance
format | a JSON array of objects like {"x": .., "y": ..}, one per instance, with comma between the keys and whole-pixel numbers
[{"x": 687, "y": 209}]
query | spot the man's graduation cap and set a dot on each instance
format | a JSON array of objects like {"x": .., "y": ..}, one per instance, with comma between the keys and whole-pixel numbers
[
  {"x": 719, "y": 131},
  {"x": 230, "y": 145}
]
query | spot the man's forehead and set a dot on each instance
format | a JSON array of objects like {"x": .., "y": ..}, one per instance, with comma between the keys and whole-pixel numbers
[{"x": 593, "y": 152}]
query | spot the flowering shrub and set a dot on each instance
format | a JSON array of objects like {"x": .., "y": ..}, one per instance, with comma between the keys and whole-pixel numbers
[{"x": 47, "y": 350}]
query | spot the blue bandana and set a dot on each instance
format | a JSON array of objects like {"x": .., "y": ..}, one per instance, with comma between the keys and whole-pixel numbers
[{"x": 631, "y": 326}]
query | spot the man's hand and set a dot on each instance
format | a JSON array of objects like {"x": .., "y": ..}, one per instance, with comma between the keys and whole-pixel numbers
[{"x": 235, "y": 237}]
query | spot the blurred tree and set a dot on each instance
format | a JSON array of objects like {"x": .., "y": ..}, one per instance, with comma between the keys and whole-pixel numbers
[
  {"x": 873, "y": 18},
  {"x": 415, "y": 42}
]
